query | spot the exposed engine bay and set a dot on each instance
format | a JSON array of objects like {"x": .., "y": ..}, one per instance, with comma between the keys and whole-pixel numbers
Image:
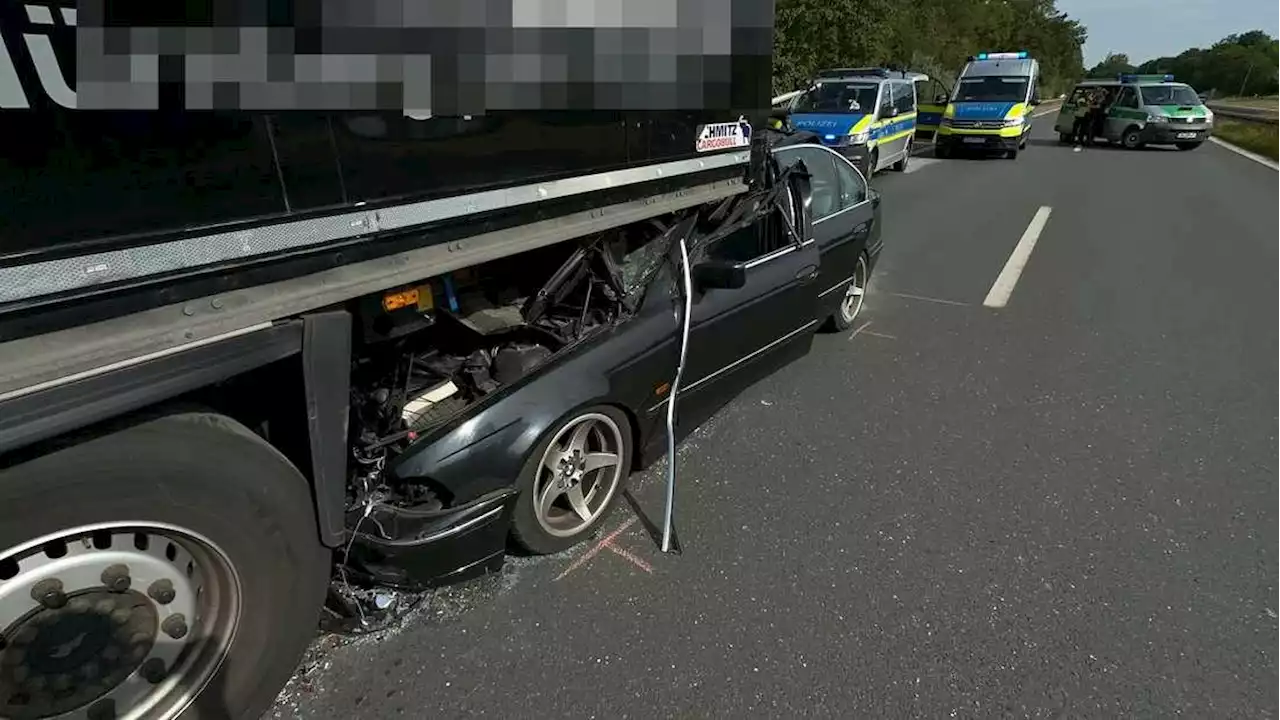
[{"x": 482, "y": 330}]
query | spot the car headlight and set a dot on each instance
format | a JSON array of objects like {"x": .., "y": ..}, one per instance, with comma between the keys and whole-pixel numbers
[
  {"x": 1158, "y": 119},
  {"x": 1013, "y": 122},
  {"x": 944, "y": 122},
  {"x": 1208, "y": 116}
]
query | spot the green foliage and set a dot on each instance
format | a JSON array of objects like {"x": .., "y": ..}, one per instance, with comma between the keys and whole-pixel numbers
[
  {"x": 1242, "y": 64},
  {"x": 1111, "y": 66},
  {"x": 931, "y": 36}
]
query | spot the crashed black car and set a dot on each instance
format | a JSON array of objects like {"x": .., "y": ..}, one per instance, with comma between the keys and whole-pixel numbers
[{"x": 518, "y": 417}]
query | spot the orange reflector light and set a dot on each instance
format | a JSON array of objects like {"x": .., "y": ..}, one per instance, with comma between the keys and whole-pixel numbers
[
  {"x": 397, "y": 300},
  {"x": 662, "y": 389}
]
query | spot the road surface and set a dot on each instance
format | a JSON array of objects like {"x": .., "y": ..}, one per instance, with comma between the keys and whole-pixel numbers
[{"x": 1063, "y": 507}]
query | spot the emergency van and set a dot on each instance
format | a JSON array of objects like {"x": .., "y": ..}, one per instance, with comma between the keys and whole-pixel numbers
[
  {"x": 990, "y": 106},
  {"x": 1142, "y": 110},
  {"x": 866, "y": 114}
]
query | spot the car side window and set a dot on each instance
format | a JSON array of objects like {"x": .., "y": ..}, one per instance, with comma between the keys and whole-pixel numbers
[
  {"x": 904, "y": 98},
  {"x": 824, "y": 182},
  {"x": 853, "y": 187},
  {"x": 1128, "y": 98},
  {"x": 886, "y": 99}
]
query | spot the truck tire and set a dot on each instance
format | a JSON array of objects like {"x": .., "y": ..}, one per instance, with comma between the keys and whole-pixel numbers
[
  {"x": 172, "y": 565},
  {"x": 545, "y": 528}
]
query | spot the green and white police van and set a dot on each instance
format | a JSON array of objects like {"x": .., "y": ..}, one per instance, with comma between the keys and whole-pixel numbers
[{"x": 1143, "y": 110}]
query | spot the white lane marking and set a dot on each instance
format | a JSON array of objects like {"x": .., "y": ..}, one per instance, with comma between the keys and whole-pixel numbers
[
  {"x": 1003, "y": 287},
  {"x": 920, "y": 164},
  {"x": 940, "y": 301},
  {"x": 1042, "y": 113},
  {"x": 1245, "y": 153}
]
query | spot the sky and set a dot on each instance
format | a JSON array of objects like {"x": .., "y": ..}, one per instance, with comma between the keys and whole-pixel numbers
[{"x": 1146, "y": 29}]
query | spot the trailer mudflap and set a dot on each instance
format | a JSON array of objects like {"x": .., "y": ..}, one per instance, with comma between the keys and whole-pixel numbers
[{"x": 413, "y": 549}]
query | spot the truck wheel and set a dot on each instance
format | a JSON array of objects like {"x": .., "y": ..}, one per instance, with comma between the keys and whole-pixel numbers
[
  {"x": 572, "y": 480},
  {"x": 172, "y": 565},
  {"x": 1132, "y": 138}
]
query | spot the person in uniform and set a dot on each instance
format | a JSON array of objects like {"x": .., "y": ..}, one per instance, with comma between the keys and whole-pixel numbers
[{"x": 1080, "y": 118}]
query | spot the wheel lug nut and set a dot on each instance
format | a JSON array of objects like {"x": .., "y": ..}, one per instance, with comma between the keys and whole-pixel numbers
[
  {"x": 102, "y": 710},
  {"x": 175, "y": 626},
  {"x": 49, "y": 594},
  {"x": 153, "y": 670},
  {"x": 162, "y": 592},
  {"x": 116, "y": 578}
]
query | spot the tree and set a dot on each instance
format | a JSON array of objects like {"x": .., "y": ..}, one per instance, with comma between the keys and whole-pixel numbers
[{"x": 1111, "y": 66}]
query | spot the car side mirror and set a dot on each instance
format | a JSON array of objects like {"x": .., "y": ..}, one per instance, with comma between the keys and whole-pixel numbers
[
  {"x": 719, "y": 275},
  {"x": 1035, "y": 100},
  {"x": 890, "y": 112}
]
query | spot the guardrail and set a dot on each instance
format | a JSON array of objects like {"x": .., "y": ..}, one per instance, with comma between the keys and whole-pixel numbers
[{"x": 1243, "y": 112}]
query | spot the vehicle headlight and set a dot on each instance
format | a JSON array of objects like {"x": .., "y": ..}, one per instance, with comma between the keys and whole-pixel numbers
[
  {"x": 1208, "y": 117},
  {"x": 944, "y": 122},
  {"x": 1013, "y": 122},
  {"x": 856, "y": 138},
  {"x": 1158, "y": 119}
]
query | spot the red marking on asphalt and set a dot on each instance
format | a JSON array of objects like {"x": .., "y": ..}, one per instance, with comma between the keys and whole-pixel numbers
[
  {"x": 604, "y": 543},
  {"x": 634, "y": 560}
]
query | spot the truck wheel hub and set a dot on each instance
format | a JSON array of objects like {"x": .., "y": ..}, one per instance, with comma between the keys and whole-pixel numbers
[{"x": 108, "y": 622}]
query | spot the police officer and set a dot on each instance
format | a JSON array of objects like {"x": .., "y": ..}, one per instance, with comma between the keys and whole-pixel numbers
[{"x": 1080, "y": 118}]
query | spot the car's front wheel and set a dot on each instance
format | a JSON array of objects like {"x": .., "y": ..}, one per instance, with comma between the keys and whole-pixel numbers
[
  {"x": 851, "y": 303},
  {"x": 1132, "y": 138},
  {"x": 572, "y": 480}
]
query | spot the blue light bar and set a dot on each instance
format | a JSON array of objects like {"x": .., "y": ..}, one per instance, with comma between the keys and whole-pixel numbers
[
  {"x": 1020, "y": 55},
  {"x": 1132, "y": 78}
]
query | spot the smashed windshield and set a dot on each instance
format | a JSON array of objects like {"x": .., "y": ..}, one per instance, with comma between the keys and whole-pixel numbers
[
  {"x": 991, "y": 89},
  {"x": 837, "y": 97},
  {"x": 1168, "y": 95}
]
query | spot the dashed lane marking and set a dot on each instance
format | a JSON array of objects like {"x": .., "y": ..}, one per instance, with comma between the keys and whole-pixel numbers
[{"x": 1003, "y": 287}]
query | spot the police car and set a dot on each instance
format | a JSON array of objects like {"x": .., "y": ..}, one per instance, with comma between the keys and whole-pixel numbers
[
  {"x": 990, "y": 106},
  {"x": 1144, "y": 109},
  {"x": 868, "y": 115}
]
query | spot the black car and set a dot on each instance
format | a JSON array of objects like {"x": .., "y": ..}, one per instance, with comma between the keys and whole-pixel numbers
[{"x": 529, "y": 415}]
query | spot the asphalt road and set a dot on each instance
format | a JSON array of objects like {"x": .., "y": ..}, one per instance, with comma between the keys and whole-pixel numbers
[{"x": 1063, "y": 508}]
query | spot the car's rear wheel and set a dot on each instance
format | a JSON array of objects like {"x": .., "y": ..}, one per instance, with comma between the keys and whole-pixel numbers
[
  {"x": 173, "y": 566},
  {"x": 851, "y": 304},
  {"x": 572, "y": 480}
]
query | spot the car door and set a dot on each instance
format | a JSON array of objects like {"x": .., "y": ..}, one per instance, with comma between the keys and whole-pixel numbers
[
  {"x": 740, "y": 335},
  {"x": 1122, "y": 113},
  {"x": 838, "y": 189}
]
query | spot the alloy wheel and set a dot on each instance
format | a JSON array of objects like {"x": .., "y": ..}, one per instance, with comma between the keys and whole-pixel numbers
[
  {"x": 578, "y": 475},
  {"x": 851, "y": 305}
]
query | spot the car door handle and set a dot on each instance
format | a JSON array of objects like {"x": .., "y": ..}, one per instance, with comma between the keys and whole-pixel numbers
[{"x": 807, "y": 273}]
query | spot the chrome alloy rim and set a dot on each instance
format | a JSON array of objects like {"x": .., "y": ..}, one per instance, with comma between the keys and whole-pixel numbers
[
  {"x": 852, "y": 302},
  {"x": 120, "y": 620},
  {"x": 578, "y": 475}
]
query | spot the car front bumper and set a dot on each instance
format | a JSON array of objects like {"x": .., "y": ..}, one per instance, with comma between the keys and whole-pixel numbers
[
  {"x": 410, "y": 549},
  {"x": 958, "y": 141},
  {"x": 1169, "y": 133}
]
